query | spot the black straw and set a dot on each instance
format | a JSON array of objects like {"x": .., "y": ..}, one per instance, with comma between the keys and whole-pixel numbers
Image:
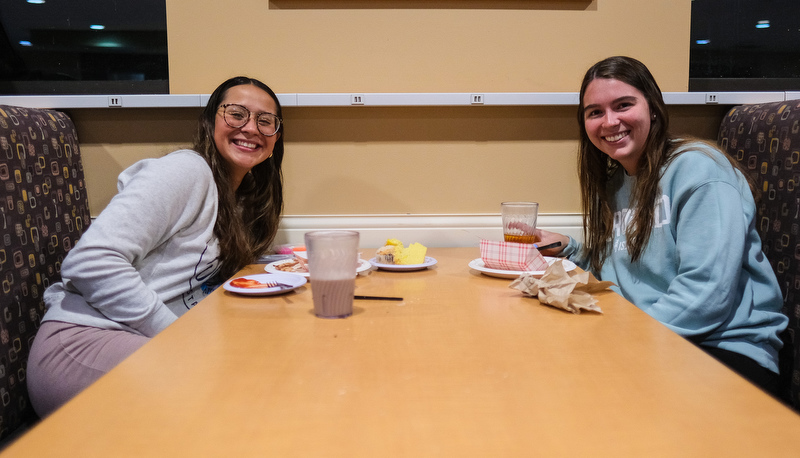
[{"x": 378, "y": 298}]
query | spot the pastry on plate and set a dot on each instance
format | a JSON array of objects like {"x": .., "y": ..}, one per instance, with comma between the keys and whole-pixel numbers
[{"x": 395, "y": 253}]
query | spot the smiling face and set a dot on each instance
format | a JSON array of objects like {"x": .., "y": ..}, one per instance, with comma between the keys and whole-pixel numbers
[
  {"x": 617, "y": 119},
  {"x": 244, "y": 147}
]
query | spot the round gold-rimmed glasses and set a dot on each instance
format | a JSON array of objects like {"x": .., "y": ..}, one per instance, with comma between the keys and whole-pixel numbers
[{"x": 237, "y": 116}]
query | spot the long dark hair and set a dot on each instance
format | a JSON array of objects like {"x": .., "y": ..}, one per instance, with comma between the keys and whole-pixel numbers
[
  {"x": 596, "y": 168},
  {"x": 247, "y": 219}
]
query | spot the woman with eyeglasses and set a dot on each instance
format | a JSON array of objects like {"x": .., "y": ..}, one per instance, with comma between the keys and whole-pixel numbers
[
  {"x": 671, "y": 222},
  {"x": 178, "y": 227}
]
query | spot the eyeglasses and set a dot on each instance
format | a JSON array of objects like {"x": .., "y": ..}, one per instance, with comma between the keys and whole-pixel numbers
[{"x": 237, "y": 116}]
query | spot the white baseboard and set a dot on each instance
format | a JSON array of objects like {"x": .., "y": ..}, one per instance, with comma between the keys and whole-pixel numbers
[{"x": 430, "y": 230}]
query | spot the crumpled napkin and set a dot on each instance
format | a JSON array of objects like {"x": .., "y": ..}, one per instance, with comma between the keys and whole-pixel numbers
[
  {"x": 511, "y": 256},
  {"x": 571, "y": 291}
]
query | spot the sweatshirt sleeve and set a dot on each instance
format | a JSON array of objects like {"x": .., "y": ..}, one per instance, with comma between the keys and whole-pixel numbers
[
  {"x": 154, "y": 203},
  {"x": 574, "y": 252},
  {"x": 710, "y": 243}
]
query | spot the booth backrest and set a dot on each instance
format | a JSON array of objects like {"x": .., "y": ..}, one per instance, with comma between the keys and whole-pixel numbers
[
  {"x": 765, "y": 138},
  {"x": 43, "y": 212}
]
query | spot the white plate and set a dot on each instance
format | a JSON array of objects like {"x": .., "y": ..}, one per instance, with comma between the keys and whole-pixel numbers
[
  {"x": 478, "y": 265},
  {"x": 271, "y": 267},
  {"x": 293, "y": 282},
  {"x": 429, "y": 261}
]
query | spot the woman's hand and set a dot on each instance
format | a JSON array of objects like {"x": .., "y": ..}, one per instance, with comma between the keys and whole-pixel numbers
[{"x": 547, "y": 237}]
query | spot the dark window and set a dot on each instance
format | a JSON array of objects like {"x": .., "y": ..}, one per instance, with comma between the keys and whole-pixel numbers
[
  {"x": 745, "y": 45},
  {"x": 83, "y": 47}
]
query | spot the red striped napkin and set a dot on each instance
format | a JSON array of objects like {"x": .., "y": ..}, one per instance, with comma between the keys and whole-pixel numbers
[{"x": 511, "y": 256}]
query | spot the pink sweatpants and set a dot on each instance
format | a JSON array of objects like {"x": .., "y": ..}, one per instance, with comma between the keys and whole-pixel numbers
[{"x": 66, "y": 358}]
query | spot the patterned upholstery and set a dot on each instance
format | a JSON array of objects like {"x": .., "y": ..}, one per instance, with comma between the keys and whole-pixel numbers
[
  {"x": 765, "y": 138},
  {"x": 43, "y": 211}
]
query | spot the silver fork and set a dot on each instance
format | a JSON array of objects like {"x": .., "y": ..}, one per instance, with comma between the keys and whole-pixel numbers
[{"x": 274, "y": 284}]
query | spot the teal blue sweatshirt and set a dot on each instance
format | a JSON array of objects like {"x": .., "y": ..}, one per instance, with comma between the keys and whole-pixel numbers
[{"x": 702, "y": 272}]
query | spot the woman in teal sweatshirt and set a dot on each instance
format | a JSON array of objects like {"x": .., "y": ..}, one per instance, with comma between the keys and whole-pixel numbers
[{"x": 672, "y": 223}]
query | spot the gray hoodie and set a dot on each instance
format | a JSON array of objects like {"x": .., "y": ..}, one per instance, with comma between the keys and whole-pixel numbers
[{"x": 145, "y": 259}]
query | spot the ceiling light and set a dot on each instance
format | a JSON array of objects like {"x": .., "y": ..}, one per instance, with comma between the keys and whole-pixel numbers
[
  {"x": 36, "y": 2},
  {"x": 97, "y": 27},
  {"x": 704, "y": 41},
  {"x": 107, "y": 44},
  {"x": 25, "y": 43},
  {"x": 762, "y": 24}
]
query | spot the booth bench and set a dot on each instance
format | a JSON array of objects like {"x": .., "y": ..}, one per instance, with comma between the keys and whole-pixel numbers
[
  {"x": 43, "y": 212},
  {"x": 765, "y": 139}
]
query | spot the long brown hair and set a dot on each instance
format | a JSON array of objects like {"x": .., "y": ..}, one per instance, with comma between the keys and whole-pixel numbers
[
  {"x": 247, "y": 219},
  {"x": 596, "y": 168}
]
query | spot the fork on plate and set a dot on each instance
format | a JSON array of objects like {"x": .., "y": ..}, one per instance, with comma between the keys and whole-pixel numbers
[{"x": 274, "y": 284}]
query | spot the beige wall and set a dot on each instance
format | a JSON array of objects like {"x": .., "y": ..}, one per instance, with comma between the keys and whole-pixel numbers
[
  {"x": 528, "y": 46},
  {"x": 403, "y": 160}
]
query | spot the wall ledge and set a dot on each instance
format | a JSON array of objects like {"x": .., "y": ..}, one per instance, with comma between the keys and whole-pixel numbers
[
  {"x": 446, "y": 230},
  {"x": 389, "y": 99}
]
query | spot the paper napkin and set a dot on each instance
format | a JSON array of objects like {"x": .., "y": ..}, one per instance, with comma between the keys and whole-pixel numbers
[
  {"x": 571, "y": 291},
  {"x": 511, "y": 256}
]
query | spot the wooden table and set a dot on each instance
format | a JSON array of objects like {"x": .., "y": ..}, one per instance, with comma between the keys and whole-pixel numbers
[{"x": 464, "y": 366}]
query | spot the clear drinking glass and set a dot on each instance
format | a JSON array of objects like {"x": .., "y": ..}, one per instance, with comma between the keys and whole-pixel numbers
[
  {"x": 519, "y": 221},
  {"x": 332, "y": 263}
]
